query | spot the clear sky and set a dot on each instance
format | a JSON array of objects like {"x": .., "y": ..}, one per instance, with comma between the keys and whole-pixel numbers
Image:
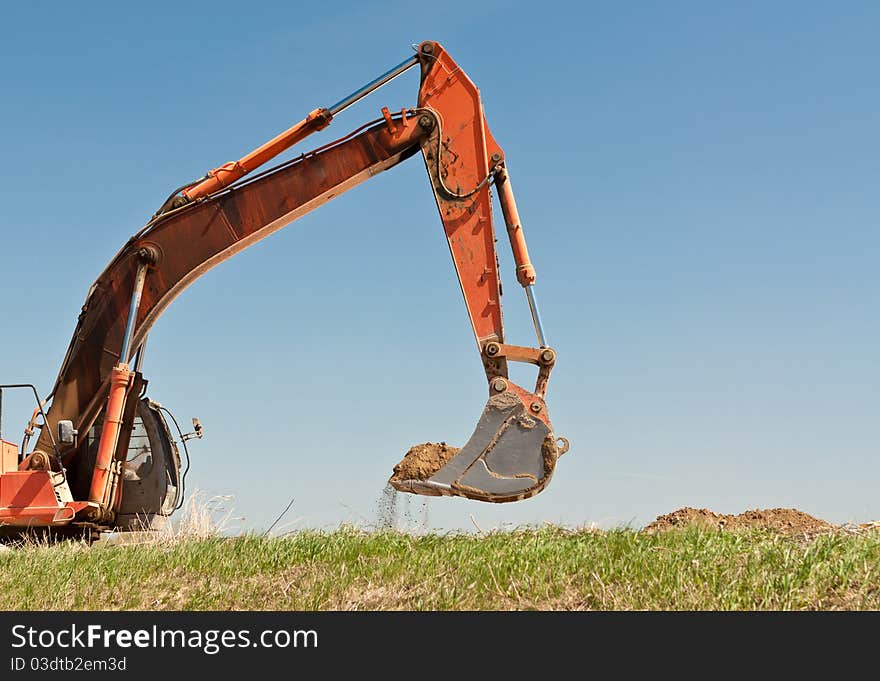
[{"x": 698, "y": 183}]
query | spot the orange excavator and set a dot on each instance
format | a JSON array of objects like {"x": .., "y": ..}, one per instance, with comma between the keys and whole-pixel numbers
[{"x": 105, "y": 458}]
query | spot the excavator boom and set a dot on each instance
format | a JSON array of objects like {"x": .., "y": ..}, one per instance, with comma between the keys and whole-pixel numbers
[{"x": 513, "y": 451}]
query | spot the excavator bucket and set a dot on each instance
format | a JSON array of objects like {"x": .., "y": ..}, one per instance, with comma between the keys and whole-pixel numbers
[{"x": 511, "y": 455}]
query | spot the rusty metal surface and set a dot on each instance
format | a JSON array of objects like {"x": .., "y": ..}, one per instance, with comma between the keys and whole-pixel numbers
[
  {"x": 190, "y": 242},
  {"x": 459, "y": 154}
]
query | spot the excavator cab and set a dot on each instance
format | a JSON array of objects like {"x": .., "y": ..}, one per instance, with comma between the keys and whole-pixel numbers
[
  {"x": 151, "y": 479},
  {"x": 150, "y": 466}
]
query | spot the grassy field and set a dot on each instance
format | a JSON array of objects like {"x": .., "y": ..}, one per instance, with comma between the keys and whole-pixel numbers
[{"x": 546, "y": 568}]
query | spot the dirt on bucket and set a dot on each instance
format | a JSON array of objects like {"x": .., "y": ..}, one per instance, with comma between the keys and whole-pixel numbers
[
  {"x": 422, "y": 461},
  {"x": 784, "y": 520}
]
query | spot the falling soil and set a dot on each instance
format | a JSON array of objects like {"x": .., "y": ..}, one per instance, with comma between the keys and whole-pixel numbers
[
  {"x": 784, "y": 520},
  {"x": 386, "y": 509},
  {"x": 398, "y": 511},
  {"x": 422, "y": 461}
]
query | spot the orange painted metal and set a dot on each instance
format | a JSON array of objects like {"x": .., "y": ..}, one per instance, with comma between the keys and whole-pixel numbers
[
  {"x": 459, "y": 155},
  {"x": 530, "y": 400},
  {"x": 120, "y": 381},
  {"x": 525, "y": 272},
  {"x": 114, "y": 494},
  {"x": 23, "y": 489},
  {"x": 28, "y": 498},
  {"x": 228, "y": 173},
  {"x": 8, "y": 457}
]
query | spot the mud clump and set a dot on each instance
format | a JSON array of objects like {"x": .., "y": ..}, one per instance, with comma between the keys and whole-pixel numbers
[
  {"x": 549, "y": 453},
  {"x": 422, "y": 461},
  {"x": 783, "y": 520}
]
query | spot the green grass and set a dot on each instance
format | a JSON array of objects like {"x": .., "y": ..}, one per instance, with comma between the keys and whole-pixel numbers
[{"x": 547, "y": 568}]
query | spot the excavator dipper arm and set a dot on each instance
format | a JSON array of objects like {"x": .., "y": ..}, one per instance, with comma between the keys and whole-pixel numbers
[{"x": 513, "y": 452}]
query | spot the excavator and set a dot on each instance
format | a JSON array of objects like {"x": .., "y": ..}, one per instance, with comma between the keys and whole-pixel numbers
[{"x": 104, "y": 457}]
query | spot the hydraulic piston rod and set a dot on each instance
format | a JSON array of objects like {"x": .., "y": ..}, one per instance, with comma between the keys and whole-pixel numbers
[
  {"x": 387, "y": 77},
  {"x": 536, "y": 315},
  {"x": 221, "y": 177},
  {"x": 525, "y": 271},
  {"x": 139, "y": 278},
  {"x": 101, "y": 489}
]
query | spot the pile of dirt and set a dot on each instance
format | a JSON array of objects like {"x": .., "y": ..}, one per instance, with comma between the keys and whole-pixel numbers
[
  {"x": 422, "y": 461},
  {"x": 785, "y": 520}
]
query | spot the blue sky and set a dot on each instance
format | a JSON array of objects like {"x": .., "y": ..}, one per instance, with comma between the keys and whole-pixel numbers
[{"x": 698, "y": 185}]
